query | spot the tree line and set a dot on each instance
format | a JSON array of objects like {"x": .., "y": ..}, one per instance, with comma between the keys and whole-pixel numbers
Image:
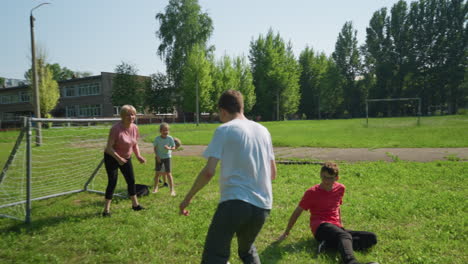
[{"x": 415, "y": 50}]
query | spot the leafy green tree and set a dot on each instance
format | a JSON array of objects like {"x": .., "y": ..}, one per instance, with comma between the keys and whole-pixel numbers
[
  {"x": 331, "y": 98},
  {"x": 159, "y": 94},
  {"x": 197, "y": 76},
  {"x": 59, "y": 73},
  {"x": 127, "y": 86},
  {"x": 182, "y": 26},
  {"x": 411, "y": 51},
  {"x": 313, "y": 69},
  {"x": 245, "y": 82},
  {"x": 2, "y": 81},
  {"x": 347, "y": 59},
  {"x": 49, "y": 92},
  {"x": 275, "y": 74},
  {"x": 224, "y": 78},
  {"x": 233, "y": 74}
]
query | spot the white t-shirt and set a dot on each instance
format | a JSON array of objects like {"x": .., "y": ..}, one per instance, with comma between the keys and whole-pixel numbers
[{"x": 245, "y": 150}]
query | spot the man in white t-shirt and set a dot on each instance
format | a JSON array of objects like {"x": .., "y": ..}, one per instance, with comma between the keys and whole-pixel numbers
[{"x": 247, "y": 169}]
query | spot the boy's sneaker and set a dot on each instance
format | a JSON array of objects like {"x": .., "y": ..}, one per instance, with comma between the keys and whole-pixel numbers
[
  {"x": 106, "y": 214},
  {"x": 138, "y": 208}
]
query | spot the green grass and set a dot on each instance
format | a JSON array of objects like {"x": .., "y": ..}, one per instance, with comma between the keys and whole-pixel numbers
[
  {"x": 446, "y": 131},
  {"x": 418, "y": 211}
]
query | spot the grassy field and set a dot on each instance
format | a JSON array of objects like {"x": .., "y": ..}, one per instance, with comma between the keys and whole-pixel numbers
[
  {"x": 418, "y": 211},
  {"x": 446, "y": 131}
]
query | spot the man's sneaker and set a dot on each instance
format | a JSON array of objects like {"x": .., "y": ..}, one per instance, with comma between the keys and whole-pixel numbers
[
  {"x": 321, "y": 246},
  {"x": 138, "y": 208},
  {"x": 106, "y": 214}
]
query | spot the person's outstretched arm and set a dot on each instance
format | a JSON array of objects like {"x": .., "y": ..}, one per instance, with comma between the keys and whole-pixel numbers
[
  {"x": 292, "y": 220},
  {"x": 205, "y": 175},
  {"x": 273, "y": 169}
]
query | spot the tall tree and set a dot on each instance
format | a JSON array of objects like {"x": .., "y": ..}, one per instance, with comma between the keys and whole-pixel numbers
[
  {"x": 313, "y": 68},
  {"x": 49, "y": 92},
  {"x": 331, "y": 98},
  {"x": 127, "y": 86},
  {"x": 245, "y": 82},
  {"x": 159, "y": 94},
  {"x": 347, "y": 58},
  {"x": 181, "y": 26},
  {"x": 234, "y": 74},
  {"x": 412, "y": 51},
  {"x": 276, "y": 77},
  {"x": 197, "y": 77}
]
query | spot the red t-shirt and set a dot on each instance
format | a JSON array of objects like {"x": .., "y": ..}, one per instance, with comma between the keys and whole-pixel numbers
[
  {"x": 324, "y": 206},
  {"x": 124, "y": 139}
]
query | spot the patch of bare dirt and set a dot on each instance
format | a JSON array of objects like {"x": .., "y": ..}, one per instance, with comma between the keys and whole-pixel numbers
[{"x": 346, "y": 154}]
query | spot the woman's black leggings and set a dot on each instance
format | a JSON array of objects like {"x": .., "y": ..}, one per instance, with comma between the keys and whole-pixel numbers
[{"x": 127, "y": 170}]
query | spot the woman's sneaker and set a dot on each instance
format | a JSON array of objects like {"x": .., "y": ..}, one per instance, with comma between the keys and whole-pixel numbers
[
  {"x": 138, "y": 208},
  {"x": 106, "y": 214}
]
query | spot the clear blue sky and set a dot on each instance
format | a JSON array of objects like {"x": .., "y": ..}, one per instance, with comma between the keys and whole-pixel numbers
[{"x": 96, "y": 35}]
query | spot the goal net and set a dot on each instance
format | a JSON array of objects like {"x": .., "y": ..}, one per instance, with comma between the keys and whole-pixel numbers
[{"x": 69, "y": 159}]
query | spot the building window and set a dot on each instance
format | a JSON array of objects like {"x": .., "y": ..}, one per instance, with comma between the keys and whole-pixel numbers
[
  {"x": 117, "y": 110},
  {"x": 90, "y": 110},
  {"x": 9, "y": 99},
  {"x": 9, "y": 116},
  {"x": 89, "y": 89},
  {"x": 70, "y": 111},
  {"x": 69, "y": 91},
  {"x": 24, "y": 96}
]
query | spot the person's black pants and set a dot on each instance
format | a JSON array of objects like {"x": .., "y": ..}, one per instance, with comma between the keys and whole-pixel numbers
[
  {"x": 345, "y": 240},
  {"x": 127, "y": 170},
  {"x": 234, "y": 217}
]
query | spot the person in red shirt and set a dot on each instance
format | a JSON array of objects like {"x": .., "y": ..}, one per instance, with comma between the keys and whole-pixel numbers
[{"x": 323, "y": 201}]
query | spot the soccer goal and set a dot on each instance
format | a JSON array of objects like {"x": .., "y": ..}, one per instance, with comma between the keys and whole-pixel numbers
[
  {"x": 68, "y": 160},
  {"x": 391, "y": 100}
]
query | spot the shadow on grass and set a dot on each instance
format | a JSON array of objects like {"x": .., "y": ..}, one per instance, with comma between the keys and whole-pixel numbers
[
  {"x": 275, "y": 251},
  {"x": 41, "y": 223}
]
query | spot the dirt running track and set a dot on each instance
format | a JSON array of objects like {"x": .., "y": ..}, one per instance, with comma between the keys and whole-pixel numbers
[{"x": 347, "y": 154}]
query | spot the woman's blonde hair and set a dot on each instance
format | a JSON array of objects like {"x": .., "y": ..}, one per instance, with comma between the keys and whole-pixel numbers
[{"x": 127, "y": 109}]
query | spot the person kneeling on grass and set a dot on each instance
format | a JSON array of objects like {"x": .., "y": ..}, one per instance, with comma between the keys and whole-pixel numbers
[{"x": 323, "y": 201}]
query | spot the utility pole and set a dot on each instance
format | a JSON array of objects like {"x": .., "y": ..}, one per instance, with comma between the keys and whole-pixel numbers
[{"x": 37, "y": 106}]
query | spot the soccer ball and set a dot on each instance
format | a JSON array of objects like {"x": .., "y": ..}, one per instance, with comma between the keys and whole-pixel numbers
[{"x": 178, "y": 143}]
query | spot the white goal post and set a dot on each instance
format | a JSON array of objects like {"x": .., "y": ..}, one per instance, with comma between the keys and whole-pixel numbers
[
  {"x": 67, "y": 161},
  {"x": 390, "y": 100}
]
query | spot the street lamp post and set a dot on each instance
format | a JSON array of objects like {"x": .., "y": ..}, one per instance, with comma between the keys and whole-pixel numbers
[{"x": 37, "y": 106}]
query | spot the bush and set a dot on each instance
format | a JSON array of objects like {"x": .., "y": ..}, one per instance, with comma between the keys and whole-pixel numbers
[{"x": 462, "y": 111}]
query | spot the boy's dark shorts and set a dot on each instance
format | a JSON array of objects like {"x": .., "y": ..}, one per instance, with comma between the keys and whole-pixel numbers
[{"x": 164, "y": 166}]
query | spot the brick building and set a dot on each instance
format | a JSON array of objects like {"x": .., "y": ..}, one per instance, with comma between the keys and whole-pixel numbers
[{"x": 79, "y": 98}]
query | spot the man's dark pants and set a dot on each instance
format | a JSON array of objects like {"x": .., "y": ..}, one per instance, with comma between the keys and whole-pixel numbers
[{"x": 234, "y": 217}]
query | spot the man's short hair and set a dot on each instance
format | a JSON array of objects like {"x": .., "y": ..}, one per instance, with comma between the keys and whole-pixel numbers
[
  {"x": 331, "y": 168},
  {"x": 232, "y": 101}
]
